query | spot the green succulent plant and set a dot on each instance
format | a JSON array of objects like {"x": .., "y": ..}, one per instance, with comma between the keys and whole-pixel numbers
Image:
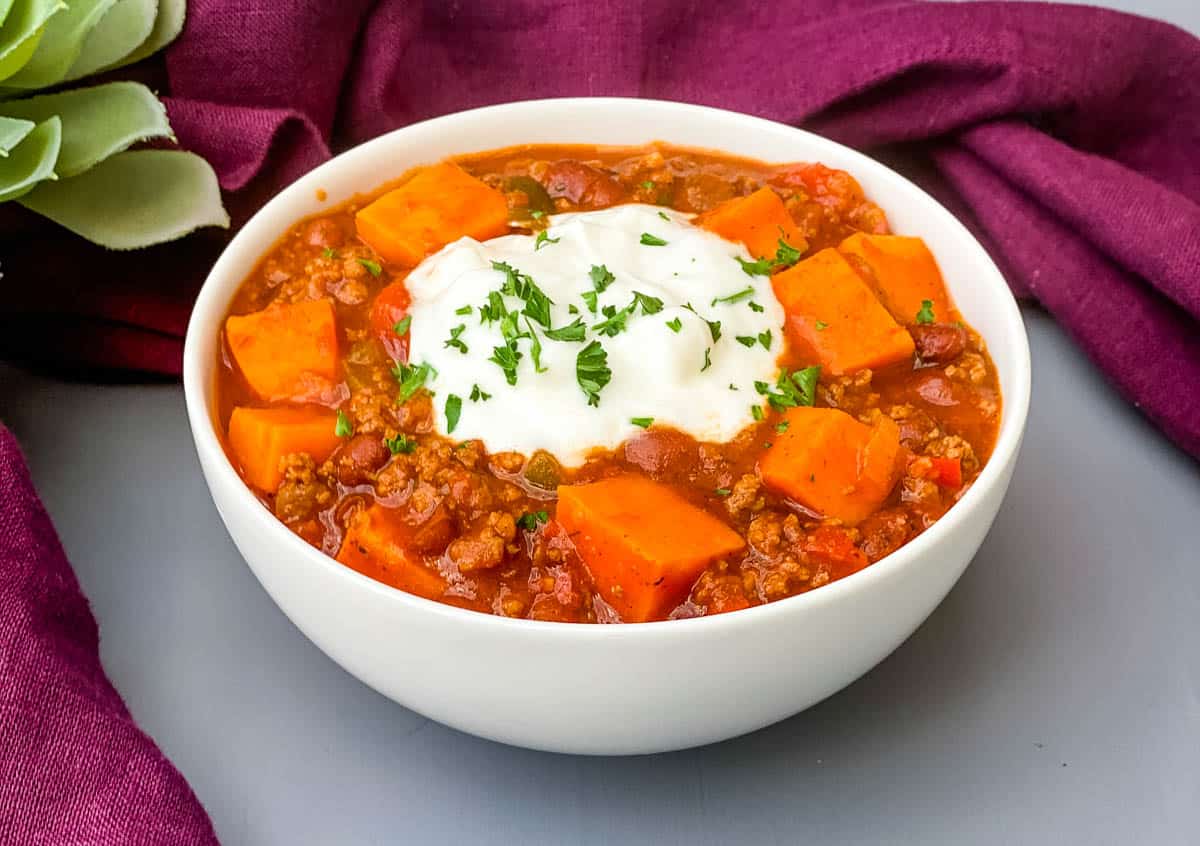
[{"x": 65, "y": 155}]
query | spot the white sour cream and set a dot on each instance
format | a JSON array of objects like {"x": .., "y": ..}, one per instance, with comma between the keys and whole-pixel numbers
[{"x": 657, "y": 372}]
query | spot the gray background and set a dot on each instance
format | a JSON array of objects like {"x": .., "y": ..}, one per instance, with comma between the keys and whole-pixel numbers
[{"x": 1053, "y": 697}]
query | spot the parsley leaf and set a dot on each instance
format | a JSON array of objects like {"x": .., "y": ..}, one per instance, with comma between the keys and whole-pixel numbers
[
  {"x": 806, "y": 380},
  {"x": 571, "y": 332},
  {"x": 329, "y": 253},
  {"x": 507, "y": 357},
  {"x": 591, "y": 371},
  {"x": 644, "y": 422},
  {"x": 707, "y": 359},
  {"x": 411, "y": 379},
  {"x": 401, "y": 327},
  {"x": 714, "y": 326},
  {"x": 537, "y": 214},
  {"x": 615, "y": 322},
  {"x": 747, "y": 340},
  {"x": 781, "y": 426},
  {"x": 652, "y": 240},
  {"x": 744, "y": 294},
  {"x": 572, "y": 309},
  {"x": 543, "y": 238},
  {"x": 756, "y": 412},
  {"x": 522, "y": 286},
  {"x": 343, "y": 428},
  {"x": 822, "y": 325},
  {"x": 372, "y": 266},
  {"x": 535, "y": 349},
  {"x": 648, "y": 184},
  {"x": 530, "y": 519},
  {"x": 650, "y": 305},
  {"x": 664, "y": 216},
  {"x": 755, "y": 307},
  {"x": 925, "y": 315},
  {"x": 453, "y": 411},
  {"x": 589, "y": 300},
  {"x": 494, "y": 309},
  {"x": 463, "y": 310},
  {"x": 478, "y": 395},
  {"x": 764, "y": 338},
  {"x": 601, "y": 277},
  {"x": 760, "y": 267},
  {"x": 722, "y": 491},
  {"x": 454, "y": 340},
  {"x": 675, "y": 324},
  {"x": 786, "y": 255},
  {"x": 402, "y": 443},
  {"x": 792, "y": 389}
]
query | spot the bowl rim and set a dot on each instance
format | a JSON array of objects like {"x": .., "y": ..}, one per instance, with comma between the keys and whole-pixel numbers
[{"x": 213, "y": 300}]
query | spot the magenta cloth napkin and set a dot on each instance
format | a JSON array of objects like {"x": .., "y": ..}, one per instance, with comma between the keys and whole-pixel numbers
[
  {"x": 1068, "y": 138},
  {"x": 74, "y": 768}
]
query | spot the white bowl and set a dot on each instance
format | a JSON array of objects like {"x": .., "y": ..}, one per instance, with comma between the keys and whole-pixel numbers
[{"x": 599, "y": 689}]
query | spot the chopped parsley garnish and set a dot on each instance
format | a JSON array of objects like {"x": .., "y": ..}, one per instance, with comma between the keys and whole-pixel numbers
[
  {"x": 792, "y": 389},
  {"x": 478, "y": 395},
  {"x": 453, "y": 411},
  {"x": 925, "y": 315},
  {"x": 648, "y": 184},
  {"x": 822, "y": 325},
  {"x": 463, "y": 310},
  {"x": 649, "y": 304},
  {"x": 411, "y": 378},
  {"x": 494, "y": 309},
  {"x": 401, "y": 327},
  {"x": 764, "y": 338},
  {"x": 664, "y": 216},
  {"x": 535, "y": 349},
  {"x": 785, "y": 256},
  {"x": 591, "y": 371},
  {"x": 537, "y": 214},
  {"x": 329, "y": 253},
  {"x": 644, "y": 422},
  {"x": 756, "y": 412},
  {"x": 714, "y": 326},
  {"x": 530, "y": 519},
  {"x": 372, "y": 266},
  {"x": 781, "y": 426},
  {"x": 652, "y": 240},
  {"x": 507, "y": 357},
  {"x": 755, "y": 307},
  {"x": 747, "y": 340},
  {"x": 543, "y": 238},
  {"x": 454, "y": 341},
  {"x": 615, "y": 322},
  {"x": 572, "y": 309},
  {"x": 707, "y": 359},
  {"x": 675, "y": 324},
  {"x": 732, "y": 387},
  {"x": 744, "y": 294},
  {"x": 589, "y": 300},
  {"x": 522, "y": 286},
  {"x": 601, "y": 277},
  {"x": 722, "y": 491},
  {"x": 571, "y": 332},
  {"x": 402, "y": 443},
  {"x": 343, "y": 428}
]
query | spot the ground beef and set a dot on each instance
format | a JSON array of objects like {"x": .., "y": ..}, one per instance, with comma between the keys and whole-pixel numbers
[
  {"x": 884, "y": 532},
  {"x": 302, "y": 493},
  {"x": 484, "y": 547},
  {"x": 745, "y": 497}
]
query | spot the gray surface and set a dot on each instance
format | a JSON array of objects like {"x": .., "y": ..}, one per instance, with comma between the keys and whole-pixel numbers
[
  {"x": 1054, "y": 697},
  {"x": 1051, "y": 698}
]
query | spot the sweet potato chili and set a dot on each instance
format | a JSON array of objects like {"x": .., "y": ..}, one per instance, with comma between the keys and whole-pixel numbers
[{"x": 884, "y": 407}]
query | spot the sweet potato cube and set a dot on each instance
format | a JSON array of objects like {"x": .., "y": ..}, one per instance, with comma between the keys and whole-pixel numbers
[
  {"x": 643, "y": 544},
  {"x": 758, "y": 220},
  {"x": 260, "y": 437},
  {"x": 382, "y": 544},
  {"x": 835, "y": 465},
  {"x": 286, "y": 351},
  {"x": 442, "y": 203},
  {"x": 903, "y": 274},
  {"x": 833, "y": 312}
]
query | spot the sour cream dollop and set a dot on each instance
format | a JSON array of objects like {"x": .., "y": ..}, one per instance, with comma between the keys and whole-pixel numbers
[{"x": 668, "y": 360}]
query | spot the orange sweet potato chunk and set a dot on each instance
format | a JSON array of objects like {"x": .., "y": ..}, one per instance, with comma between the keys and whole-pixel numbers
[
  {"x": 831, "y": 310},
  {"x": 381, "y": 544},
  {"x": 758, "y": 220},
  {"x": 643, "y": 544},
  {"x": 830, "y": 462},
  {"x": 286, "y": 351},
  {"x": 260, "y": 437},
  {"x": 442, "y": 203},
  {"x": 903, "y": 274}
]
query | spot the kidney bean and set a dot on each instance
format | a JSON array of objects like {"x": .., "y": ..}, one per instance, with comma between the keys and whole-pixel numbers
[
  {"x": 938, "y": 343},
  {"x": 357, "y": 458}
]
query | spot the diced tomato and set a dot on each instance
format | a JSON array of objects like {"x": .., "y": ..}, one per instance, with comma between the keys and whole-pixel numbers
[
  {"x": 834, "y": 545},
  {"x": 390, "y": 307},
  {"x": 947, "y": 472}
]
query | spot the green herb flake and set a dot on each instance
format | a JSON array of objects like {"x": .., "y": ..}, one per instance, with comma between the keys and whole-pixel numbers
[
  {"x": 402, "y": 443},
  {"x": 530, "y": 520},
  {"x": 522, "y": 286},
  {"x": 648, "y": 304},
  {"x": 454, "y": 341},
  {"x": 707, "y": 359},
  {"x": 411, "y": 379},
  {"x": 747, "y": 340},
  {"x": 343, "y": 428},
  {"x": 535, "y": 349},
  {"x": 806, "y": 380},
  {"x": 572, "y": 309},
  {"x": 755, "y": 307},
  {"x": 372, "y": 266},
  {"x": 756, "y": 412},
  {"x": 786, "y": 255},
  {"x": 664, "y": 216},
  {"x": 744, "y": 294},
  {"x": 643, "y": 422},
  {"x": 507, "y": 357},
  {"x": 722, "y": 491},
  {"x": 601, "y": 277},
  {"x": 648, "y": 184},
  {"x": 479, "y": 395},
  {"x": 759, "y": 267},
  {"x": 614, "y": 324},
  {"x": 571, "y": 332},
  {"x": 675, "y": 325},
  {"x": 781, "y": 426},
  {"x": 589, "y": 300},
  {"x": 463, "y": 310},
  {"x": 925, "y": 315},
  {"x": 821, "y": 325},
  {"x": 329, "y": 253},
  {"x": 401, "y": 327},
  {"x": 537, "y": 214},
  {"x": 733, "y": 387},
  {"x": 453, "y": 412},
  {"x": 652, "y": 240},
  {"x": 591, "y": 371},
  {"x": 543, "y": 238},
  {"x": 764, "y": 338}
]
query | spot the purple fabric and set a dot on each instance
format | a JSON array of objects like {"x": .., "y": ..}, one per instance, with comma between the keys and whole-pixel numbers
[
  {"x": 1068, "y": 138},
  {"x": 74, "y": 768}
]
